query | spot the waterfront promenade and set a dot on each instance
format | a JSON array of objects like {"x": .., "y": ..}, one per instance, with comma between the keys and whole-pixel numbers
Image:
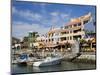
[{"x": 67, "y": 55}]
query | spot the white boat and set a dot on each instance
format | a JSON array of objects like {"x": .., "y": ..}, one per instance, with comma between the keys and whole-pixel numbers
[{"x": 48, "y": 61}]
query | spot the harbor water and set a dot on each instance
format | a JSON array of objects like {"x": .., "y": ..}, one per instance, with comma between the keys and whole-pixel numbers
[{"x": 64, "y": 66}]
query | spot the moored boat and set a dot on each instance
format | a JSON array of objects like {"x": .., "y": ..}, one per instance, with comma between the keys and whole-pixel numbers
[
  {"x": 48, "y": 61},
  {"x": 22, "y": 59}
]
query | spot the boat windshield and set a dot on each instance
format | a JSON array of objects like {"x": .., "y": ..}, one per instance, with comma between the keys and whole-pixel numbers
[
  {"x": 48, "y": 59},
  {"x": 23, "y": 56}
]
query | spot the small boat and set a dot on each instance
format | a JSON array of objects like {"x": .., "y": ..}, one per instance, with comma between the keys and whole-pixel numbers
[
  {"x": 22, "y": 59},
  {"x": 48, "y": 61}
]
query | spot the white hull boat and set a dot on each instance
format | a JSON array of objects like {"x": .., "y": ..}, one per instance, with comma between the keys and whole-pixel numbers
[{"x": 48, "y": 61}]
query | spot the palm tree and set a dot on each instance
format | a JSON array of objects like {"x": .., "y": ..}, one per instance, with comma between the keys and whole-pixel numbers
[{"x": 33, "y": 36}]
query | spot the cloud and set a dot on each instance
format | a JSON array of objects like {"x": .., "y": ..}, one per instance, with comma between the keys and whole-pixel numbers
[
  {"x": 27, "y": 14},
  {"x": 64, "y": 16},
  {"x": 54, "y": 13},
  {"x": 20, "y": 29},
  {"x": 14, "y": 10},
  {"x": 45, "y": 21},
  {"x": 59, "y": 18},
  {"x": 55, "y": 18}
]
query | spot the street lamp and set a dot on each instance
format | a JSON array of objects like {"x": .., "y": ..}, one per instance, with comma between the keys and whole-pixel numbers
[{"x": 78, "y": 53}]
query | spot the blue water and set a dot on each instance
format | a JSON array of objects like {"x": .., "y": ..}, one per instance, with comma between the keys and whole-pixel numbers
[{"x": 64, "y": 66}]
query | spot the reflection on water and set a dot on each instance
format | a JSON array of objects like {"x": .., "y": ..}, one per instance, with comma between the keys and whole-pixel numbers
[{"x": 61, "y": 67}]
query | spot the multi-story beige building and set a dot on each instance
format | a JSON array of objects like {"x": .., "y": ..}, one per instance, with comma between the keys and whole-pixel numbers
[{"x": 68, "y": 33}]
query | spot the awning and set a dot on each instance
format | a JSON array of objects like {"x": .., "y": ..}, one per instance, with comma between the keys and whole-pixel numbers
[
  {"x": 35, "y": 44},
  {"x": 85, "y": 44},
  {"x": 51, "y": 45}
]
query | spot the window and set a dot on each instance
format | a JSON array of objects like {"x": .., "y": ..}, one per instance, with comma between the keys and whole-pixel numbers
[
  {"x": 84, "y": 22},
  {"x": 63, "y": 32},
  {"x": 70, "y": 26},
  {"x": 46, "y": 40},
  {"x": 67, "y": 38},
  {"x": 52, "y": 39},
  {"x": 79, "y": 24},
  {"x": 66, "y": 27},
  {"x": 63, "y": 38},
  {"x": 70, "y": 37},
  {"x": 49, "y": 40},
  {"x": 51, "y": 34},
  {"x": 67, "y": 32},
  {"x": 71, "y": 31},
  {"x": 75, "y": 25}
]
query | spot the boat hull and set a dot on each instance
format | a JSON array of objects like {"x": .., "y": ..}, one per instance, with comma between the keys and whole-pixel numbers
[
  {"x": 22, "y": 63},
  {"x": 48, "y": 63}
]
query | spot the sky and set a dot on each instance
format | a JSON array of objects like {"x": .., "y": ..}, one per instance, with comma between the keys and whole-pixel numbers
[{"x": 40, "y": 17}]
